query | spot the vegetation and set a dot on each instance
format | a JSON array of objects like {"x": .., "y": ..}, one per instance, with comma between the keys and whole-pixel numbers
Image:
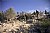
[
  {"x": 45, "y": 22},
  {"x": 37, "y": 13},
  {"x": 2, "y": 17},
  {"x": 7, "y": 15},
  {"x": 10, "y": 13}
]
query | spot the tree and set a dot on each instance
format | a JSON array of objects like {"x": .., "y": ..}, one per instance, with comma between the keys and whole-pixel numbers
[
  {"x": 10, "y": 13},
  {"x": 37, "y": 13},
  {"x": 45, "y": 12},
  {"x": 17, "y": 12},
  {"x": 34, "y": 13},
  {"x": 2, "y": 17}
]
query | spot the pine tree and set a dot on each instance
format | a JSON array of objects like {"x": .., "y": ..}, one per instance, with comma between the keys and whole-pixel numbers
[
  {"x": 37, "y": 13},
  {"x": 10, "y": 13}
]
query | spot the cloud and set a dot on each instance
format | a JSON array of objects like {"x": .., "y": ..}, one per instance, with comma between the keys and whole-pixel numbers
[
  {"x": 46, "y": 8},
  {"x": 30, "y": 11}
]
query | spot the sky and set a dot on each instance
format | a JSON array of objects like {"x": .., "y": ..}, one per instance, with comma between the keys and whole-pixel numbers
[{"x": 25, "y": 5}]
